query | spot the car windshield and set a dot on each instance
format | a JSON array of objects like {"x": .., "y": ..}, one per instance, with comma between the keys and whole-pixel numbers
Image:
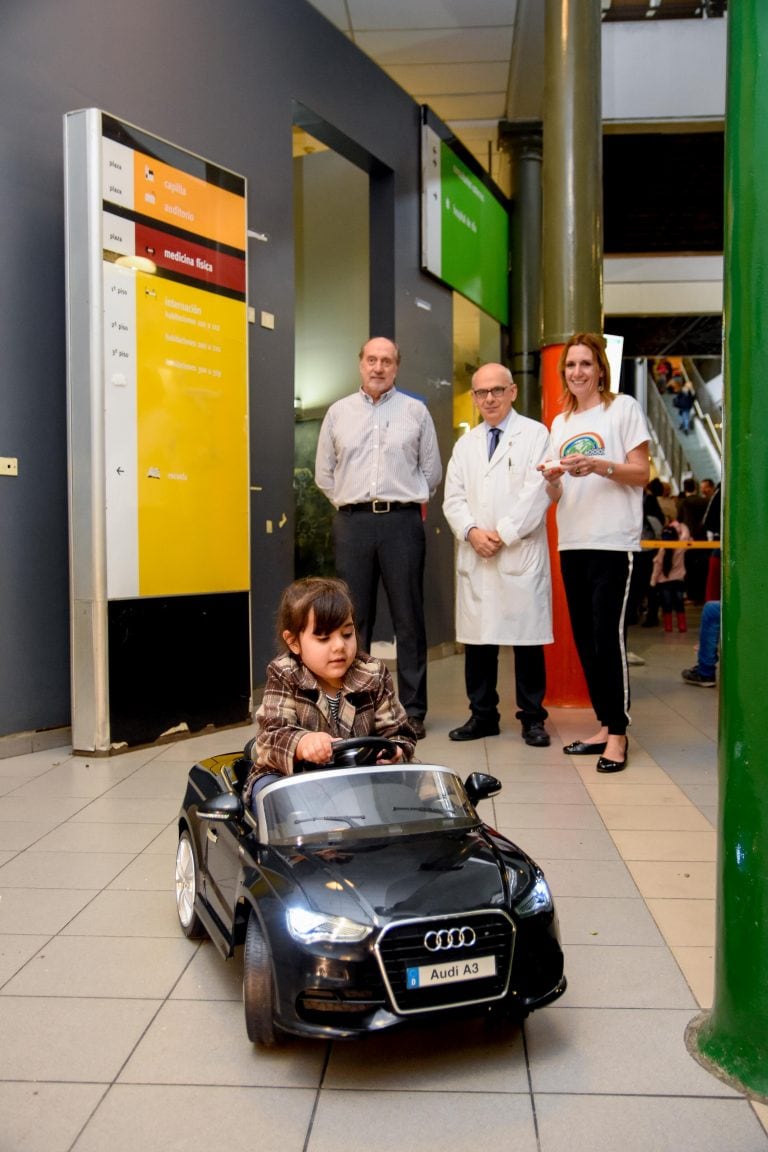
[{"x": 352, "y": 803}]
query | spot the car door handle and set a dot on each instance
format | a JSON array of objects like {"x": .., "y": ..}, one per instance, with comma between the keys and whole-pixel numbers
[{"x": 212, "y": 835}]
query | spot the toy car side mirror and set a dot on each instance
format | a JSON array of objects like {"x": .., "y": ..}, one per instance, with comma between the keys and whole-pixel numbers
[
  {"x": 225, "y": 807},
  {"x": 481, "y": 786}
]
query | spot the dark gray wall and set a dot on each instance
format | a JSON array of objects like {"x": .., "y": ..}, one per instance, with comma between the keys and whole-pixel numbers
[{"x": 220, "y": 78}]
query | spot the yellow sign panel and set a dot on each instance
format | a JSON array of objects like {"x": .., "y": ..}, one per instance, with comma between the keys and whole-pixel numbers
[{"x": 192, "y": 440}]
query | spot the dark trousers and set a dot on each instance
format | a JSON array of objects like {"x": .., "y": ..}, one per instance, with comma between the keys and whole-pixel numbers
[
  {"x": 481, "y": 671},
  {"x": 597, "y": 588},
  {"x": 391, "y": 547}
]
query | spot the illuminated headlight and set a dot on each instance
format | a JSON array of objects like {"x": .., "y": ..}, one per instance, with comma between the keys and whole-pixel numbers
[
  {"x": 312, "y": 928},
  {"x": 539, "y": 899}
]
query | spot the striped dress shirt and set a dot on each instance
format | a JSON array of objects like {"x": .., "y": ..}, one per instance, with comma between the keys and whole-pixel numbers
[{"x": 383, "y": 451}]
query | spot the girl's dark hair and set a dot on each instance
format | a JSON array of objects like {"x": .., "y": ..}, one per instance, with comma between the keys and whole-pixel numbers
[
  {"x": 329, "y": 598},
  {"x": 668, "y": 533}
]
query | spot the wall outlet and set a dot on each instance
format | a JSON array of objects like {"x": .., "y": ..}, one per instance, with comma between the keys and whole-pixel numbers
[{"x": 9, "y": 466}]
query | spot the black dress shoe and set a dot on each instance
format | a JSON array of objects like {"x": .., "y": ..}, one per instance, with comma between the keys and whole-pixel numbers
[
  {"x": 475, "y": 729},
  {"x": 606, "y": 765},
  {"x": 579, "y": 748},
  {"x": 417, "y": 727},
  {"x": 536, "y": 735}
]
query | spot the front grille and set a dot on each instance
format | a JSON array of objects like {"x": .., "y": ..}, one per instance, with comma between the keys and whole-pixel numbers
[{"x": 401, "y": 946}]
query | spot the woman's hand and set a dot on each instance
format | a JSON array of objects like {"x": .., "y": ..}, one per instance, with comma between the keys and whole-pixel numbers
[
  {"x": 316, "y": 747},
  {"x": 551, "y": 470},
  {"x": 578, "y": 465}
]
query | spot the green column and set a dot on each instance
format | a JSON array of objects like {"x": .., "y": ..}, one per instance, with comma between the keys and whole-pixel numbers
[{"x": 732, "y": 1039}]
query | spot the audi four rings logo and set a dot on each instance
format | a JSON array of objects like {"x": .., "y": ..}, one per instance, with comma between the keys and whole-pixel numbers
[{"x": 449, "y": 938}]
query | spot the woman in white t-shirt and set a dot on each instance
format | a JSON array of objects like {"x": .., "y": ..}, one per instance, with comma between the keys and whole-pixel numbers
[{"x": 597, "y": 475}]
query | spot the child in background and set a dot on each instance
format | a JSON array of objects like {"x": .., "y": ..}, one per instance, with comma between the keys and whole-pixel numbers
[
  {"x": 668, "y": 577},
  {"x": 319, "y": 689}
]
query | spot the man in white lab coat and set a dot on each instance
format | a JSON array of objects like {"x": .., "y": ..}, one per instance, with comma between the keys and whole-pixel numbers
[{"x": 496, "y": 504}]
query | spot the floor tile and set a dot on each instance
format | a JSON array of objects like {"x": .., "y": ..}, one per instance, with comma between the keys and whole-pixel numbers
[
  {"x": 63, "y": 869},
  {"x": 76, "y": 836},
  {"x": 602, "y": 976},
  {"x": 569, "y": 844},
  {"x": 41, "y": 1117},
  {"x": 526, "y": 816},
  {"x": 160, "y": 1118},
  {"x": 97, "y": 967},
  {"x": 68, "y": 1039},
  {"x": 44, "y": 910},
  {"x": 148, "y": 871},
  {"x": 15, "y": 951},
  {"x": 689, "y": 879},
  {"x": 698, "y": 967},
  {"x": 607, "y": 920},
  {"x": 474, "y": 1057},
  {"x": 654, "y": 817},
  {"x": 208, "y": 976},
  {"x": 646, "y": 1124},
  {"x": 427, "y": 1121},
  {"x": 110, "y": 809},
  {"x": 128, "y": 913},
  {"x": 636, "y": 1052},
  {"x": 685, "y": 922},
  {"x": 666, "y": 845},
  {"x": 16, "y": 835},
  {"x": 588, "y": 877},
  {"x": 205, "y": 1042}
]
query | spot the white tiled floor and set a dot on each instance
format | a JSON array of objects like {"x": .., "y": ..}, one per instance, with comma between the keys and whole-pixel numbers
[{"x": 117, "y": 1033}]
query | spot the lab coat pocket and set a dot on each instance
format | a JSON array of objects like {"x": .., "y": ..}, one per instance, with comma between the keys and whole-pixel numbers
[{"x": 518, "y": 557}]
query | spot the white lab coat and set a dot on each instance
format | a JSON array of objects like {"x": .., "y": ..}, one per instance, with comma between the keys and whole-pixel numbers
[{"x": 507, "y": 599}]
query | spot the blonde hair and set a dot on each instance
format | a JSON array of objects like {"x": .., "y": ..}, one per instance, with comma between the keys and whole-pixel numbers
[{"x": 596, "y": 344}]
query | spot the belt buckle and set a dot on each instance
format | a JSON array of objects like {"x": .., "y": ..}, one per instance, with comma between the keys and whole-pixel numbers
[{"x": 379, "y": 511}]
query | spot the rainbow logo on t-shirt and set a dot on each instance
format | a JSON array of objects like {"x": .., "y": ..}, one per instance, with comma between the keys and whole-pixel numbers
[{"x": 585, "y": 444}]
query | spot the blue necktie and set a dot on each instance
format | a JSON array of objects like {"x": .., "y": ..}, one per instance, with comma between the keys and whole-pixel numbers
[{"x": 495, "y": 437}]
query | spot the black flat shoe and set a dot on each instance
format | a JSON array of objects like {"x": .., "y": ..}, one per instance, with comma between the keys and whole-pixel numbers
[
  {"x": 606, "y": 765},
  {"x": 579, "y": 748}
]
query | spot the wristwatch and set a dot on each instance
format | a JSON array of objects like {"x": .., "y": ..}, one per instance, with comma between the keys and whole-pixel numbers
[{"x": 610, "y": 470}]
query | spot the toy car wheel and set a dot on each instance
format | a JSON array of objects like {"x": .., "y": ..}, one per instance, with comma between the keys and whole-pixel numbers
[
  {"x": 186, "y": 888},
  {"x": 258, "y": 994}
]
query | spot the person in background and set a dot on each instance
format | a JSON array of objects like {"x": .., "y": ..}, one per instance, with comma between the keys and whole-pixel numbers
[
  {"x": 496, "y": 506},
  {"x": 596, "y": 476},
  {"x": 320, "y": 689},
  {"x": 684, "y": 402},
  {"x": 668, "y": 576},
  {"x": 711, "y": 524},
  {"x": 690, "y": 512},
  {"x": 378, "y": 462},
  {"x": 702, "y": 674}
]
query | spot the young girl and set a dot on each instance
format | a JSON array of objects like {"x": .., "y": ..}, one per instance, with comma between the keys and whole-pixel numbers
[{"x": 319, "y": 690}]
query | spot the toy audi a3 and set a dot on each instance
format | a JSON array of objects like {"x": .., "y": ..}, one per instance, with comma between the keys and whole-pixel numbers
[{"x": 365, "y": 895}]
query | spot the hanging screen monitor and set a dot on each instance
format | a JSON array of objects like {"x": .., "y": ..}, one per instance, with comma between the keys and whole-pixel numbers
[{"x": 464, "y": 225}]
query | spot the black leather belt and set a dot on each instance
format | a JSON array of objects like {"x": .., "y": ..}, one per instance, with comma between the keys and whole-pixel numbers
[{"x": 379, "y": 506}]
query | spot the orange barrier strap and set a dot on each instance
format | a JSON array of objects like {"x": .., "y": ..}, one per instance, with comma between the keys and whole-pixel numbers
[{"x": 654, "y": 544}]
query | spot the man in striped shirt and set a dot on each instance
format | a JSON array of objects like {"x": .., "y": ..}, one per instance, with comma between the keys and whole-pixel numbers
[{"x": 378, "y": 462}]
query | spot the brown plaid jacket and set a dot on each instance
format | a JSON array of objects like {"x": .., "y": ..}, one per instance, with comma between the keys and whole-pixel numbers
[{"x": 293, "y": 704}]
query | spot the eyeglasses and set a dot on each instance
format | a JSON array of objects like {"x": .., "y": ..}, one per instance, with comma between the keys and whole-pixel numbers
[{"x": 483, "y": 393}]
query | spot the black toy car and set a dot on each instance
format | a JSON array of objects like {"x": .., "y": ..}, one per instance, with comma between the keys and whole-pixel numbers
[{"x": 366, "y": 895}]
